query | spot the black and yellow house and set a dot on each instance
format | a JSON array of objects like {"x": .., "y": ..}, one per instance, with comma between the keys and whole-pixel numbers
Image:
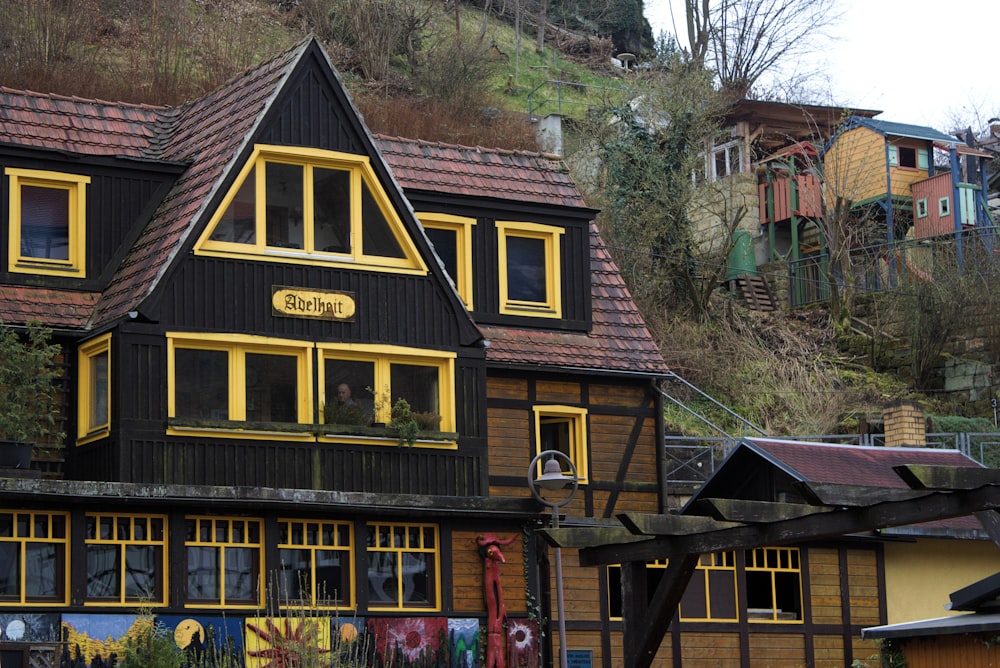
[{"x": 244, "y": 288}]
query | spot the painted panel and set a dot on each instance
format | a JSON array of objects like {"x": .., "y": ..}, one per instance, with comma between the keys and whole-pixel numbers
[
  {"x": 410, "y": 640},
  {"x": 855, "y": 167},
  {"x": 286, "y": 641},
  {"x": 463, "y": 639},
  {"x": 932, "y": 190},
  {"x": 198, "y": 635},
  {"x": 28, "y": 627},
  {"x": 103, "y": 636}
]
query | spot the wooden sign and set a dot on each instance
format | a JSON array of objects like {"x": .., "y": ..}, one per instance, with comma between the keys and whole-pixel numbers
[{"x": 317, "y": 304}]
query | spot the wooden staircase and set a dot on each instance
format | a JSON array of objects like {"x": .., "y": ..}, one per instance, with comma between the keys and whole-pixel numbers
[{"x": 756, "y": 291}]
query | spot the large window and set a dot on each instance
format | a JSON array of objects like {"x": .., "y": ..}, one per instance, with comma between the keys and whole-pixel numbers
[
  {"x": 47, "y": 222},
  {"x": 452, "y": 239},
  {"x": 308, "y": 205},
  {"x": 214, "y": 379},
  {"x": 403, "y": 567},
  {"x": 709, "y": 596},
  {"x": 223, "y": 562},
  {"x": 774, "y": 584},
  {"x": 361, "y": 383},
  {"x": 530, "y": 281},
  {"x": 316, "y": 564},
  {"x": 125, "y": 558},
  {"x": 34, "y": 567},
  {"x": 564, "y": 428},
  {"x": 94, "y": 415}
]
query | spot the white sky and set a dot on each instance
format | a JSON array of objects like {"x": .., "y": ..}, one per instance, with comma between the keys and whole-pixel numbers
[{"x": 923, "y": 62}]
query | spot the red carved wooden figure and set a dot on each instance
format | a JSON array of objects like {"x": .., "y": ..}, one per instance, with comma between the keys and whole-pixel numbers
[{"x": 496, "y": 610}]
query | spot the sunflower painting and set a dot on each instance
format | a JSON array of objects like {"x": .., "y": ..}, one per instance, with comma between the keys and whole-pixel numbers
[
  {"x": 284, "y": 642},
  {"x": 413, "y": 642},
  {"x": 522, "y": 643}
]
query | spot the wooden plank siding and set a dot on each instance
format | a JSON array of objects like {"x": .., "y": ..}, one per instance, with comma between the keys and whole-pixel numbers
[
  {"x": 948, "y": 651},
  {"x": 777, "y": 649},
  {"x": 824, "y": 586},
  {"x": 856, "y": 165}
]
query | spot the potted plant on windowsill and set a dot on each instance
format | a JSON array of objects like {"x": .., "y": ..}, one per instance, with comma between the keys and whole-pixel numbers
[{"x": 29, "y": 398}]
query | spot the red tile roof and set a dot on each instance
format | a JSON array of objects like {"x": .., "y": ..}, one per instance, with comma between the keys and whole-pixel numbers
[
  {"x": 54, "y": 308},
  {"x": 480, "y": 172}
]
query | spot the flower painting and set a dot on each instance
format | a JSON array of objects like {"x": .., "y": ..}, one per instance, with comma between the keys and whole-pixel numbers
[
  {"x": 411, "y": 641},
  {"x": 522, "y": 643}
]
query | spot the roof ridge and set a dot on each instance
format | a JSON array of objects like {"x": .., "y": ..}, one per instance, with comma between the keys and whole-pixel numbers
[
  {"x": 479, "y": 149},
  {"x": 82, "y": 100}
]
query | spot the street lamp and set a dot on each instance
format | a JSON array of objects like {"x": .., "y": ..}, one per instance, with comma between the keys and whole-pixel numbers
[{"x": 553, "y": 479}]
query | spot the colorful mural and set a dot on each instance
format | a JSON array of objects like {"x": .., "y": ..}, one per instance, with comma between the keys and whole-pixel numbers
[
  {"x": 26, "y": 627},
  {"x": 220, "y": 638},
  {"x": 99, "y": 638},
  {"x": 522, "y": 643},
  {"x": 463, "y": 636},
  {"x": 276, "y": 642},
  {"x": 411, "y": 641}
]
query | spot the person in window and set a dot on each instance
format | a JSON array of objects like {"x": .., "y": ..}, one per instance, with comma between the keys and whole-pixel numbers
[{"x": 344, "y": 394}]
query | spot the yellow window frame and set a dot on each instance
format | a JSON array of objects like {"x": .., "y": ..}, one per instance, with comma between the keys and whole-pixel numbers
[
  {"x": 238, "y": 346},
  {"x": 550, "y": 235},
  {"x": 38, "y": 523},
  {"x": 707, "y": 564},
  {"x": 382, "y": 357},
  {"x": 576, "y": 417},
  {"x": 775, "y": 560},
  {"x": 462, "y": 227},
  {"x": 322, "y": 599},
  {"x": 419, "y": 545},
  {"x": 75, "y": 186},
  {"x": 361, "y": 172},
  {"x": 231, "y": 540},
  {"x": 144, "y": 521},
  {"x": 88, "y": 429}
]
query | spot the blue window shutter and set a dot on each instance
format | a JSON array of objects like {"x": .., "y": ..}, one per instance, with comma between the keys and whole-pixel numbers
[{"x": 893, "y": 158}]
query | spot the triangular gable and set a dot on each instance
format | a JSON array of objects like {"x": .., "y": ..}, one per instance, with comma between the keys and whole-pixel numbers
[{"x": 308, "y": 206}]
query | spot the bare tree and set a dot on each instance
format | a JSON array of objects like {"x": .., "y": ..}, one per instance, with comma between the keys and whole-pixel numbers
[{"x": 747, "y": 38}]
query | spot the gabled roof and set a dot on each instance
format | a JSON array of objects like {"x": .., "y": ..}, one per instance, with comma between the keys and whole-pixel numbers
[{"x": 758, "y": 468}]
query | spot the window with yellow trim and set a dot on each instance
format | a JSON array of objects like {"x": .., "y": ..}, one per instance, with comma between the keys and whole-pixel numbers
[
  {"x": 564, "y": 428},
  {"x": 452, "y": 240},
  {"x": 403, "y": 567},
  {"x": 711, "y": 593},
  {"x": 219, "y": 379},
  {"x": 34, "y": 565},
  {"x": 224, "y": 561},
  {"x": 47, "y": 222},
  {"x": 360, "y": 384},
  {"x": 317, "y": 565},
  {"x": 774, "y": 584},
  {"x": 530, "y": 281},
  {"x": 126, "y": 558},
  {"x": 94, "y": 408},
  {"x": 295, "y": 204}
]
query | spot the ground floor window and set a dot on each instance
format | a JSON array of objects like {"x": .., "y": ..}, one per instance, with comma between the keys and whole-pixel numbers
[
  {"x": 317, "y": 565},
  {"x": 223, "y": 561},
  {"x": 774, "y": 584},
  {"x": 403, "y": 566},
  {"x": 33, "y": 557},
  {"x": 125, "y": 558}
]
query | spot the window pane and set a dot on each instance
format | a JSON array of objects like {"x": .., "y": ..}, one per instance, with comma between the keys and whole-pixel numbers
[
  {"x": 284, "y": 198},
  {"x": 332, "y": 210},
  {"x": 238, "y": 223},
  {"x": 383, "y": 586},
  {"x": 526, "y": 269},
  {"x": 331, "y": 575},
  {"x": 99, "y": 390},
  {"x": 416, "y": 580},
  {"x": 43, "y": 566},
  {"x": 417, "y": 384},
  {"x": 376, "y": 235},
  {"x": 141, "y": 565},
  {"x": 349, "y": 392},
  {"x": 45, "y": 222},
  {"x": 103, "y": 569},
  {"x": 202, "y": 381},
  {"x": 241, "y": 574},
  {"x": 203, "y": 573},
  {"x": 446, "y": 246},
  {"x": 295, "y": 576},
  {"x": 555, "y": 435},
  {"x": 10, "y": 567},
  {"x": 272, "y": 388}
]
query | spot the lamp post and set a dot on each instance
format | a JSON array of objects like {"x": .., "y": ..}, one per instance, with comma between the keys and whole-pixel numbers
[{"x": 553, "y": 479}]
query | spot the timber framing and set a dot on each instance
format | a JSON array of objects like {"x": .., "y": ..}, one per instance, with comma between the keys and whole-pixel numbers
[{"x": 940, "y": 492}]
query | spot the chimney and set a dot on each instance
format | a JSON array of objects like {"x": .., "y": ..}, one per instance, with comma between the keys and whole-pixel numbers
[
  {"x": 904, "y": 425},
  {"x": 549, "y": 134}
]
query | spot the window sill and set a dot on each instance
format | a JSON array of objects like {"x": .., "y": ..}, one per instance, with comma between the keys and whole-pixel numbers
[
  {"x": 342, "y": 433},
  {"x": 222, "y": 428}
]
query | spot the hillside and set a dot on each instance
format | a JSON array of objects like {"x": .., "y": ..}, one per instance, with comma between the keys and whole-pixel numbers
[{"x": 452, "y": 73}]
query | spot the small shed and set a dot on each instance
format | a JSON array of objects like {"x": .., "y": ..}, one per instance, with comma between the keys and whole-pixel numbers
[{"x": 971, "y": 639}]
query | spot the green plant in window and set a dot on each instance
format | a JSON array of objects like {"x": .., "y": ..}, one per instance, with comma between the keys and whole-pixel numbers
[
  {"x": 403, "y": 423},
  {"x": 426, "y": 420},
  {"x": 29, "y": 397},
  {"x": 338, "y": 412}
]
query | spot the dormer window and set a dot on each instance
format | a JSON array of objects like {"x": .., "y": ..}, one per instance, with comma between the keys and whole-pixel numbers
[
  {"x": 47, "y": 222},
  {"x": 452, "y": 240},
  {"x": 309, "y": 206},
  {"x": 530, "y": 281}
]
